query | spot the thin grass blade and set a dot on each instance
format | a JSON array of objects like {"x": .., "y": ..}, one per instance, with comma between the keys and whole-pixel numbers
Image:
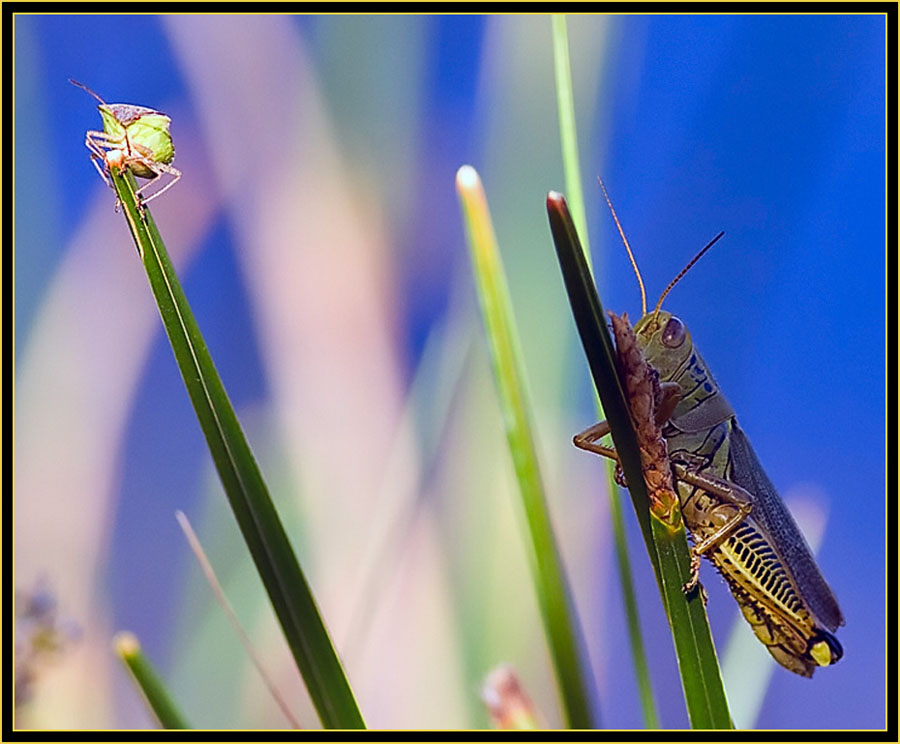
[
  {"x": 560, "y": 625},
  {"x": 247, "y": 493}
]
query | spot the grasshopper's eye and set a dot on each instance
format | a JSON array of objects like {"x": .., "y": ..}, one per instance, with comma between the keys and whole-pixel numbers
[{"x": 673, "y": 334}]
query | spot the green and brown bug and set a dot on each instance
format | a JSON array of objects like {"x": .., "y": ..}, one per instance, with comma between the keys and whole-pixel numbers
[
  {"x": 133, "y": 137},
  {"x": 730, "y": 508}
]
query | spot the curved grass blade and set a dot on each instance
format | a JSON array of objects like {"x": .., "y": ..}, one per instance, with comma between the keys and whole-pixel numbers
[
  {"x": 565, "y": 102},
  {"x": 148, "y": 681},
  {"x": 263, "y": 532},
  {"x": 557, "y": 612},
  {"x": 700, "y": 676}
]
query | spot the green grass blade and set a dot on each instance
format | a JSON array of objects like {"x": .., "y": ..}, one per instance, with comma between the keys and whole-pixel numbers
[
  {"x": 263, "y": 532},
  {"x": 148, "y": 681},
  {"x": 572, "y": 672},
  {"x": 700, "y": 676},
  {"x": 565, "y": 102}
]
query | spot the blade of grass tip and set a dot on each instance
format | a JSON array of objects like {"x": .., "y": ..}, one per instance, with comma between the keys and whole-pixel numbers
[
  {"x": 247, "y": 493},
  {"x": 211, "y": 579},
  {"x": 158, "y": 699},
  {"x": 560, "y": 625},
  {"x": 565, "y": 101},
  {"x": 667, "y": 546}
]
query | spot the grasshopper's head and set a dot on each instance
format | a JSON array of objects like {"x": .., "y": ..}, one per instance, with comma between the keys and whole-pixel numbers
[
  {"x": 663, "y": 337},
  {"x": 665, "y": 341}
]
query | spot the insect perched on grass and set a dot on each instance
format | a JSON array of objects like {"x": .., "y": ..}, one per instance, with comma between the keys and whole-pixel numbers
[
  {"x": 133, "y": 137},
  {"x": 730, "y": 507}
]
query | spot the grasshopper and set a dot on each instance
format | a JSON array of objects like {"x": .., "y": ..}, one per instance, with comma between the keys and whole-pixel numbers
[
  {"x": 135, "y": 137},
  {"x": 730, "y": 508}
]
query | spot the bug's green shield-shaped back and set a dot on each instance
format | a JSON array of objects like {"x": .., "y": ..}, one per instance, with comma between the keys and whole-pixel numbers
[
  {"x": 147, "y": 131},
  {"x": 151, "y": 131}
]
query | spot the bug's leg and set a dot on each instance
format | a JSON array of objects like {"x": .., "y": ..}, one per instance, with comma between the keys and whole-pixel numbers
[
  {"x": 144, "y": 162},
  {"x": 733, "y": 494},
  {"x": 704, "y": 597},
  {"x": 724, "y": 489},
  {"x": 100, "y": 169},
  {"x": 587, "y": 440},
  {"x": 140, "y": 192},
  {"x": 98, "y": 155},
  {"x": 100, "y": 142},
  {"x": 160, "y": 169},
  {"x": 670, "y": 395},
  {"x": 102, "y": 146}
]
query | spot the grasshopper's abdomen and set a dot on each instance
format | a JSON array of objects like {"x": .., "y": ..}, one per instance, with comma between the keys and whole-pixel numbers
[{"x": 700, "y": 436}]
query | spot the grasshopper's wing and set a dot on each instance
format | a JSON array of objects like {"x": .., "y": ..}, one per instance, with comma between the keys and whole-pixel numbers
[{"x": 773, "y": 516}]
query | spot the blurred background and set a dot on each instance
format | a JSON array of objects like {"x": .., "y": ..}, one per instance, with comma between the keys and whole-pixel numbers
[{"x": 318, "y": 236}]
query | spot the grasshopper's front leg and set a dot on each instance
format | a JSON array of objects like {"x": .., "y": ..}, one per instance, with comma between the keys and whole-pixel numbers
[
  {"x": 587, "y": 440},
  {"x": 730, "y": 493}
]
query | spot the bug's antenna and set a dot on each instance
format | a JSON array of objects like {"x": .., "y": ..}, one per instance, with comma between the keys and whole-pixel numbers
[
  {"x": 627, "y": 247},
  {"x": 85, "y": 88},
  {"x": 103, "y": 103},
  {"x": 684, "y": 271}
]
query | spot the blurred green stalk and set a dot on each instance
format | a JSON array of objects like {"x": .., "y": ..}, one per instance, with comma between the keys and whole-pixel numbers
[
  {"x": 560, "y": 625},
  {"x": 148, "y": 681}
]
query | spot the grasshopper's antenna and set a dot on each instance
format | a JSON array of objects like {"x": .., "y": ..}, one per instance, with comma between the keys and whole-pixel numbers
[
  {"x": 85, "y": 88},
  {"x": 627, "y": 248},
  {"x": 684, "y": 271}
]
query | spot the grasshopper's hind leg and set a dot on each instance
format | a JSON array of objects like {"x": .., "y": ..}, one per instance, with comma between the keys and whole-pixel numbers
[{"x": 734, "y": 497}]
